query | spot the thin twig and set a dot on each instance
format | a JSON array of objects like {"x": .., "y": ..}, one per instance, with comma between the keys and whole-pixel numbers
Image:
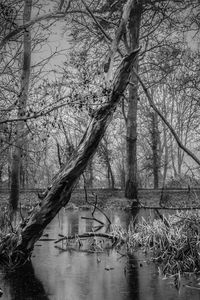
[{"x": 108, "y": 38}]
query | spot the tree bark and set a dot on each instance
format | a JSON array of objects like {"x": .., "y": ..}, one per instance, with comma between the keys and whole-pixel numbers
[
  {"x": 131, "y": 135},
  {"x": 64, "y": 183},
  {"x": 20, "y": 129}
]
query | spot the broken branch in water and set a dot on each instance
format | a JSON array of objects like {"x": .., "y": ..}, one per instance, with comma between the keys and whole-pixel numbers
[
  {"x": 88, "y": 235},
  {"x": 74, "y": 249}
]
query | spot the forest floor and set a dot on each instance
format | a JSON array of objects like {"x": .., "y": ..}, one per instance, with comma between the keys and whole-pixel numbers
[{"x": 115, "y": 198}]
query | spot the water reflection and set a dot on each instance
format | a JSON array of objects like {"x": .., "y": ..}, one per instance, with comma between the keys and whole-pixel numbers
[
  {"x": 23, "y": 284},
  {"x": 132, "y": 277},
  {"x": 71, "y": 275}
]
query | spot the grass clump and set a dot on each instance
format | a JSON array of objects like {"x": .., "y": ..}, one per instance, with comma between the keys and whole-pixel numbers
[
  {"x": 10, "y": 236},
  {"x": 173, "y": 241}
]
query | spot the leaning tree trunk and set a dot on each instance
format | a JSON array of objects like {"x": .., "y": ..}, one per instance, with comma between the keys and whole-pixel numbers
[
  {"x": 60, "y": 191},
  {"x": 20, "y": 130},
  {"x": 131, "y": 135}
]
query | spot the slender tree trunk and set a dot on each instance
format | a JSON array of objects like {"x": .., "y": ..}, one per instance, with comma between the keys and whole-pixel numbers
[
  {"x": 166, "y": 155},
  {"x": 59, "y": 154},
  {"x": 20, "y": 129},
  {"x": 165, "y": 144},
  {"x": 1, "y": 170},
  {"x": 155, "y": 150},
  {"x": 131, "y": 141},
  {"x": 111, "y": 179},
  {"x": 58, "y": 194},
  {"x": 179, "y": 161}
]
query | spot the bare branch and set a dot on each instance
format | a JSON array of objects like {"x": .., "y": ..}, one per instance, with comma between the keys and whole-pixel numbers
[
  {"x": 96, "y": 21},
  {"x": 152, "y": 104},
  {"x": 34, "y": 115},
  {"x": 54, "y": 15}
]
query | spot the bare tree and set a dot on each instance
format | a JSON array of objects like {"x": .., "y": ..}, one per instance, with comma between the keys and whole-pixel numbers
[
  {"x": 131, "y": 135},
  {"x": 61, "y": 188}
]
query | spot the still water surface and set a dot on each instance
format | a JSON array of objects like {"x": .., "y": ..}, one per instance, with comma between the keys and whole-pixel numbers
[{"x": 73, "y": 275}]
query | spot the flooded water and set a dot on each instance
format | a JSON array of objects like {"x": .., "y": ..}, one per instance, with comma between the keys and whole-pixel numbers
[{"x": 75, "y": 275}]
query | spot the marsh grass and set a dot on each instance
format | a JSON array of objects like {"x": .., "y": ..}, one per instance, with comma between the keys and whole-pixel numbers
[
  {"x": 10, "y": 257},
  {"x": 176, "y": 247}
]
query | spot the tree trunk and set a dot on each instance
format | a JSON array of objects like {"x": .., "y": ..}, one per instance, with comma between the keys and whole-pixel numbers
[
  {"x": 89, "y": 176},
  {"x": 166, "y": 156},
  {"x": 1, "y": 171},
  {"x": 60, "y": 191},
  {"x": 59, "y": 154},
  {"x": 122, "y": 178},
  {"x": 131, "y": 141},
  {"x": 155, "y": 150},
  {"x": 165, "y": 145},
  {"x": 20, "y": 128},
  {"x": 111, "y": 179}
]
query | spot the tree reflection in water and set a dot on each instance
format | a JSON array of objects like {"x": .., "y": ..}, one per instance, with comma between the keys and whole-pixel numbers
[
  {"x": 131, "y": 271},
  {"x": 132, "y": 277},
  {"x": 68, "y": 275},
  {"x": 23, "y": 285}
]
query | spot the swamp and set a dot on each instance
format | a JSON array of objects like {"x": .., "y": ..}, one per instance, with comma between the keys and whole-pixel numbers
[{"x": 99, "y": 149}]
